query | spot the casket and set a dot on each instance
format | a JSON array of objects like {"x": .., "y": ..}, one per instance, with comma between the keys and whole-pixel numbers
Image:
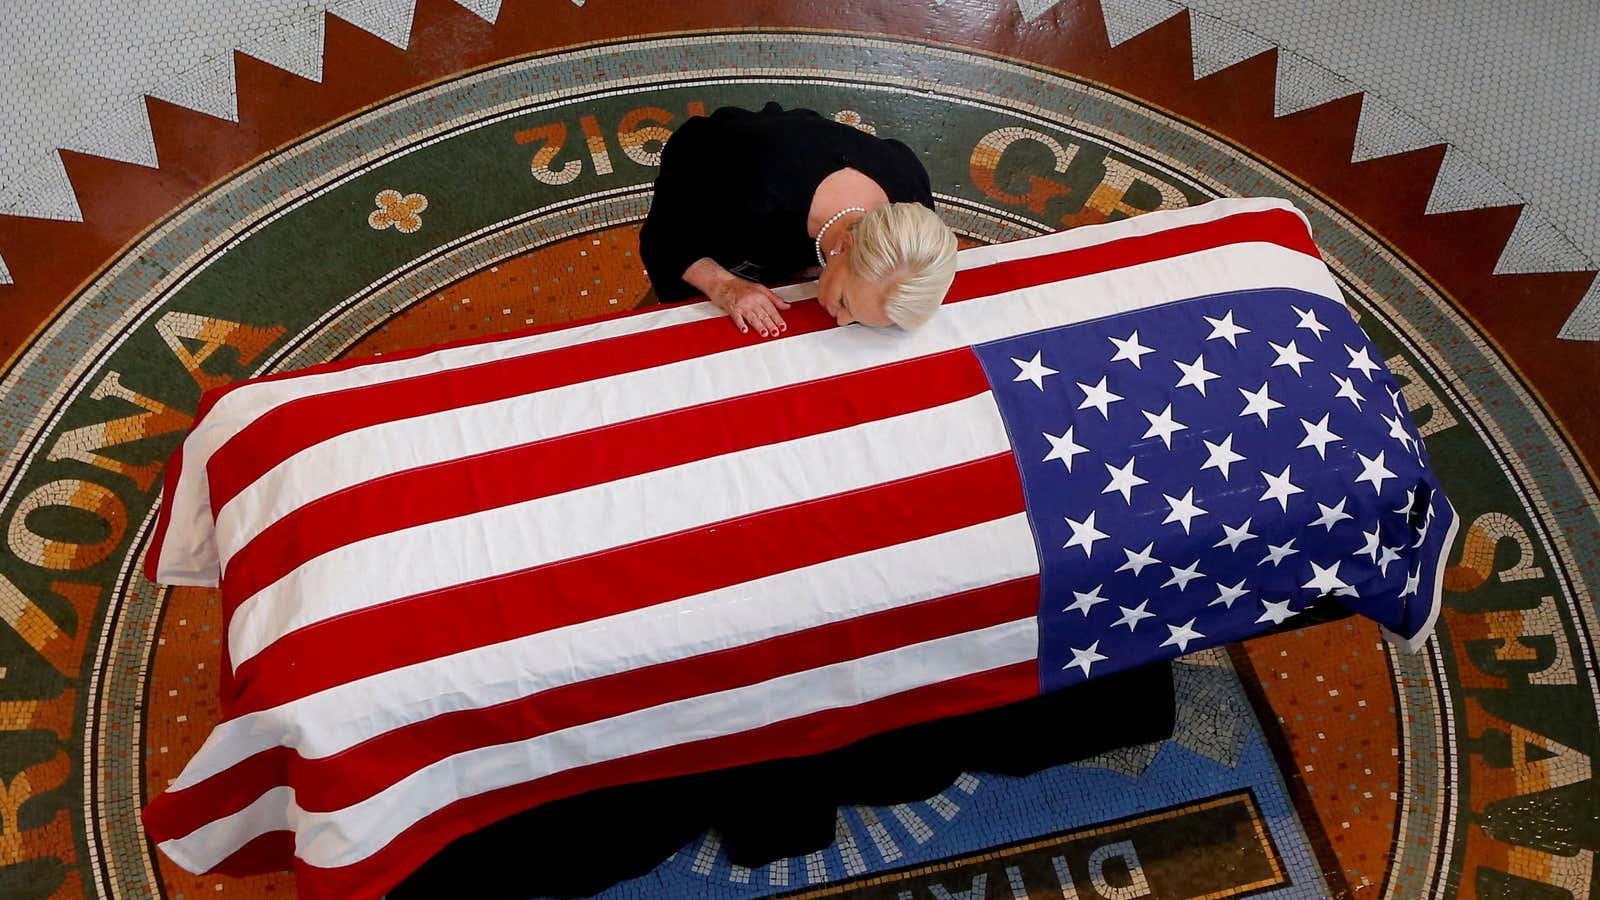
[{"x": 464, "y": 581}]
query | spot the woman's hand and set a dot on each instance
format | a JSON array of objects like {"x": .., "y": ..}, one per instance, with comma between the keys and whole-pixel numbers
[{"x": 750, "y": 305}]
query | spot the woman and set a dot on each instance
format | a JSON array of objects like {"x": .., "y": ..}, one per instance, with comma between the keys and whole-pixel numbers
[{"x": 746, "y": 199}]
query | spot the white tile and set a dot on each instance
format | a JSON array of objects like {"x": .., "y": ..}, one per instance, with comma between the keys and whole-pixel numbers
[
  {"x": 1384, "y": 130},
  {"x": 1584, "y": 323},
  {"x": 1302, "y": 84},
  {"x": 99, "y": 58},
  {"x": 207, "y": 88},
  {"x": 1031, "y": 9},
  {"x": 1537, "y": 246},
  {"x": 1216, "y": 44},
  {"x": 488, "y": 10},
  {"x": 296, "y": 47},
  {"x": 1512, "y": 87},
  {"x": 1128, "y": 18},
  {"x": 388, "y": 19},
  {"x": 123, "y": 133},
  {"x": 1464, "y": 183}
]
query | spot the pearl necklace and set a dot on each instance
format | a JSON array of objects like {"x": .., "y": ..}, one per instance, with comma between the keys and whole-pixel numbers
[{"x": 824, "y": 230}]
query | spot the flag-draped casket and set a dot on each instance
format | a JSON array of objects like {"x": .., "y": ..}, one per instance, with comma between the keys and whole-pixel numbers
[{"x": 464, "y": 581}]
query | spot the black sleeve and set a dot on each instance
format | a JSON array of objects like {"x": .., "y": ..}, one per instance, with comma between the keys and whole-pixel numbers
[
  {"x": 913, "y": 184},
  {"x": 675, "y": 230}
]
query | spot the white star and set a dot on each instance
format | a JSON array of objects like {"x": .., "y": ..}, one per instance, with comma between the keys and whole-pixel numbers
[
  {"x": 1277, "y": 553},
  {"x": 1064, "y": 448},
  {"x": 1195, "y": 374},
  {"x": 1123, "y": 480},
  {"x": 1347, "y": 390},
  {"x": 1235, "y": 536},
  {"x": 1138, "y": 560},
  {"x": 1221, "y": 456},
  {"x": 1325, "y": 581},
  {"x": 1372, "y": 470},
  {"x": 1361, "y": 362},
  {"x": 1033, "y": 370},
  {"x": 1427, "y": 524},
  {"x": 1394, "y": 399},
  {"x": 1332, "y": 515},
  {"x": 1163, "y": 425},
  {"x": 1397, "y": 430},
  {"x": 1404, "y": 509},
  {"x": 1318, "y": 435},
  {"x": 1130, "y": 349},
  {"x": 1413, "y": 581},
  {"x": 1226, "y": 595},
  {"x": 1225, "y": 329},
  {"x": 1277, "y": 612},
  {"x": 1098, "y": 396},
  {"x": 1184, "y": 509},
  {"x": 1279, "y": 488},
  {"x": 1258, "y": 403},
  {"x": 1132, "y": 617},
  {"x": 1308, "y": 321},
  {"x": 1370, "y": 548},
  {"x": 1083, "y": 602},
  {"x": 1085, "y": 658},
  {"x": 1390, "y": 554},
  {"x": 1289, "y": 356},
  {"x": 1084, "y": 534},
  {"x": 1181, "y": 636},
  {"x": 1182, "y": 577}
]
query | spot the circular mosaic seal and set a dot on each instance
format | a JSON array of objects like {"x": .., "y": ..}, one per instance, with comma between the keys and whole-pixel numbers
[{"x": 510, "y": 197}]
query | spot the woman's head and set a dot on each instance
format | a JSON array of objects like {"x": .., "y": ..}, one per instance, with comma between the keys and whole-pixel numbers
[{"x": 894, "y": 267}]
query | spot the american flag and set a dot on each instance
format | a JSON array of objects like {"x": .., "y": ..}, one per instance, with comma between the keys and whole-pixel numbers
[{"x": 464, "y": 581}]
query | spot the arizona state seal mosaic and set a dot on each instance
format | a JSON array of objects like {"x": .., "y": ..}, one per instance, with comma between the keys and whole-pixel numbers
[{"x": 1320, "y": 762}]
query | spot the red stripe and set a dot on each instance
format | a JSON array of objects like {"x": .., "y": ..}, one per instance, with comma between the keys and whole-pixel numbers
[
  {"x": 815, "y": 733},
  {"x": 589, "y": 587},
  {"x": 359, "y": 772},
  {"x": 174, "y": 813},
  {"x": 553, "y": 466},
  {"x": 291, "y": 427},
  {"x": 804, "y": 735},
  {"x": 1279, "y": 227},
  {"x": 356, "y": 773},
  {"x": 294, "y": 426},
  {"x": 270, "y": 852},
  {"x": 210, "y": 396},
  {"x": 1275, "y": 226}
]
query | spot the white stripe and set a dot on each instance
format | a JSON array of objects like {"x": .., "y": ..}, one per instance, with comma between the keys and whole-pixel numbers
[
  {"x": 1135, "y": 226},
  {"x": 188, "y": 554},
  {"x": 320, "y": 724},
  {"x": 347, "y": 836},
  {"x": 510, "y": 538},
  {"x": 368, "y": 453},
  {"x": 218, "y": 839}
]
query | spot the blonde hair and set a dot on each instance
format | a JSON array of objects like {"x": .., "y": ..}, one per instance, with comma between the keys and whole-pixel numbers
[{"x": 908, "y": 249}]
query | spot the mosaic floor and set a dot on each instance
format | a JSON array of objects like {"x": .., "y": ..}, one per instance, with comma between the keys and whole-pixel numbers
[{"x": 491, "y": 176}]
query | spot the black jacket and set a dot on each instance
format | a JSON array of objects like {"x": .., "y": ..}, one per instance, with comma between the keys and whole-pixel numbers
[{"x": 737, "y": 185}]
